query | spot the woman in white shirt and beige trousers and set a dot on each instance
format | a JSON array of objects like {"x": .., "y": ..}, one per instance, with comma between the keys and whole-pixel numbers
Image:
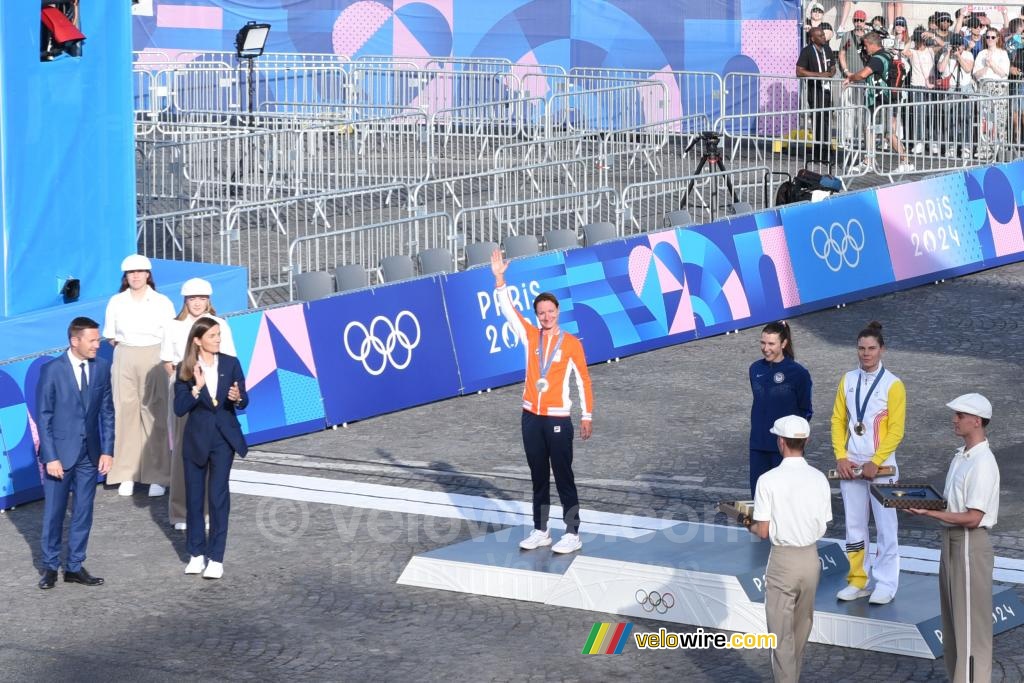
[
  {"x": 135, "y": 322},
  {"x": 196, "y": 293}
]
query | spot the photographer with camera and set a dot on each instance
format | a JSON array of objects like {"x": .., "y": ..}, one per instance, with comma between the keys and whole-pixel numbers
[
  {"x": 973, "y": 42},
  {"x": 851, "y": 48},
  {"x": 953, "y": 67},
  {"x": 879, "y": 92},
  {"x": 817, "y": 63}
]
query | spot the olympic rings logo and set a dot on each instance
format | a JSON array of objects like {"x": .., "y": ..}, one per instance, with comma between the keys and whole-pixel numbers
[
  {"x": 839, "y": 244},
  {"x": 376, "y": 352},
  {"x": 655, "y": 601}
]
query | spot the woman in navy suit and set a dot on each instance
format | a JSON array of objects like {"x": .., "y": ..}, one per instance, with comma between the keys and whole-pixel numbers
[{"x": 208, "y": 389}]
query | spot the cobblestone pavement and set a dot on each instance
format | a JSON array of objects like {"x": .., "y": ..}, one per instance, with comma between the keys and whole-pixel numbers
[{"x": 310, "y": 589}]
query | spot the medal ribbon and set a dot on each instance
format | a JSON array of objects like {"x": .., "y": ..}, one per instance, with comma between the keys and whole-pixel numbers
[
  {"x": 863, "y": 407},
  {"x": 545, "y": 360}
]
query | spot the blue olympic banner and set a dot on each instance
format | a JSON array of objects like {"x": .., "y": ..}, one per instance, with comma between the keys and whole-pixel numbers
[
  {"x": 489, "y": 353},
  {"x": 839, "y": 251},
  {"x": 382, "y": 350}
]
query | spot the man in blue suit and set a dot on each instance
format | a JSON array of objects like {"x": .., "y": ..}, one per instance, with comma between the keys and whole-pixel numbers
[{"x": 76, "y": 439}]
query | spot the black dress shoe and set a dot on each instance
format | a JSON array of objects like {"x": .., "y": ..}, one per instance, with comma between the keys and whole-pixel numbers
[
  {"x": 49, "y": 579},
  {"x": 83, "y": 577}
]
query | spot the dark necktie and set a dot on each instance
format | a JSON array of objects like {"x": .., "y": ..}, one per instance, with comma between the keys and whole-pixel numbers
[{"x": 84, "y": 385}]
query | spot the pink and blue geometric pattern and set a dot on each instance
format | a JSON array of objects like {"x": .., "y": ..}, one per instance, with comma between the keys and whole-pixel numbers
[{"x": 276, "y": 356}]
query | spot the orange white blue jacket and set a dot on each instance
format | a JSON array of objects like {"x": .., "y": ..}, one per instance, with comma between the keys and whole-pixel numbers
[{"x": 568, "y": 362}]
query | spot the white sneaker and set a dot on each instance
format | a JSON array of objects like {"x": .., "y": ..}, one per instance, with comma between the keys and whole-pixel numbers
[
  {"x": 156, "y": 490},
  {"x": 214, "y": 570},
  {"x": 951, "y": 151},
  {"x": 568, "y": 543},
  {"x": 195, "y": 565},
  {"x": 881, "y": 596},
  {"x": 536, "y": 539},
  {"x": 865, "y": 166},
  {"x": 851, "y": 592},
  {"x": 126, "y": 488},
  {"x": 180, "y": 526},
  {"x": 966, "y": 154},
  {"x": 905, "y": 167},
  {"x": 918, "y": 148},
  {"x": 933, "y": 149}
]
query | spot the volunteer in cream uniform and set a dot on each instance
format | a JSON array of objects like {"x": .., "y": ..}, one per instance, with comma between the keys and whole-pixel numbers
[{"x": 868, "y": 421}]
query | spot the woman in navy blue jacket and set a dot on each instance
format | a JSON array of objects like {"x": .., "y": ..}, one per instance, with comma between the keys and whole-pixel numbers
[
  {"x": 209, "y": 388},
  {"x": 781, "y": 387}
]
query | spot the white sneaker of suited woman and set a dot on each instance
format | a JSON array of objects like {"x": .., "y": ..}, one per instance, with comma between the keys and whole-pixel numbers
[
  {"x": 210, "y": 570},
  {"x": 537, "y": 538}
]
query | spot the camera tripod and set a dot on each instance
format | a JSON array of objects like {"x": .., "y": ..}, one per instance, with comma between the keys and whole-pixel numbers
[{"x": 712, "y": 160}]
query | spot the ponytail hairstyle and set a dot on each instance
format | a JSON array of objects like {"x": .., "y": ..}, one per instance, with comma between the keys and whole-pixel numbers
[
  {"x": 873, "y": 329},
  {"x": 785, "y": 333},
  {"x": 187, "y": 367}
]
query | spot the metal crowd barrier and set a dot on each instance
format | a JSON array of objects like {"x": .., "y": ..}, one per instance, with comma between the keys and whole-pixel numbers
[
  {"x": 693, "y": 96},
  {"x": 606, "y": 109},
  {"x": 785, "y": 141},
  {"x": 495, "y": 222},
  {"x": 461, "y": 138},
  {"x": 499, "y": 186},
  {"x": 931, "y": 135},
  {"x": 705, "y": 197},
  {"x": 258, "y": 235},
  {"x": 366, "y": 245},
  {"x": 429, "y": 90},
  {"x": 201, "y": 166},
  {"x": 187, "y": 235}
]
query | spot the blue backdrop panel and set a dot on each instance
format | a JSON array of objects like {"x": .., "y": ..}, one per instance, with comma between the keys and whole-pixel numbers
[
  {"x": 67, "y": 174},
  {"x": 840, "y": 251},
  {"x": 20, "y": 471},
  {"x": 47, "y": 328},
  {"x": 382, "y": 350},
  {"x": 488, "y": 352}
]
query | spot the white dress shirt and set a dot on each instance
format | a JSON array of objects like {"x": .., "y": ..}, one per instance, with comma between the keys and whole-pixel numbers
[
  {"x": 138, "y": 323},
  {"x": 210, "y": 373},
  {"x": 796, "y": 501},
  {"x": 76, "y": 365},
  {"x": 972, "y": 482}
]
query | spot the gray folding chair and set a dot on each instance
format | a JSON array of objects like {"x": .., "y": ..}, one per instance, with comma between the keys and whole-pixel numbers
[
  {"x": 478, "y": 253},
  {"x": 315, "y": 284},
  {"x": 397, "y": 267},
  {"x": 679, "y": 218},
  {"x": 521, "y": 245},
  {"x": 598, "y": 232},
  {"x": 349, "y": 277},
  {"x": 559, "y": 240},
  {"x": 435, "y": 261},
  {"x": 740, "y": 208}
]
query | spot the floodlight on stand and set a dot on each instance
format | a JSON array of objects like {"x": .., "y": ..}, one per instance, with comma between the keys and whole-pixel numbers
[{"x": 251, "y": 40}]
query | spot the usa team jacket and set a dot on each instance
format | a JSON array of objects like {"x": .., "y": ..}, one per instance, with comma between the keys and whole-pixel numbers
[{"x": 569, "y": 362}]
